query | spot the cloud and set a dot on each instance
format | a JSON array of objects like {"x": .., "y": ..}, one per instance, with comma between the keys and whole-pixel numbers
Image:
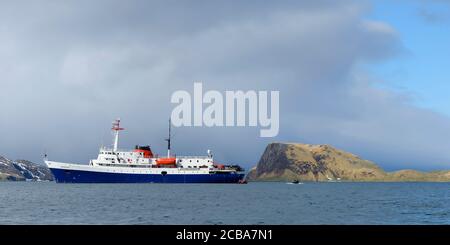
[
  {"x": 434, "y": 12},
  {"x": 68, "y": 69}
]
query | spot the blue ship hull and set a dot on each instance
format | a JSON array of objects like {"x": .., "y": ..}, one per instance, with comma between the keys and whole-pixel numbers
[{"x": 78, "y": 176}]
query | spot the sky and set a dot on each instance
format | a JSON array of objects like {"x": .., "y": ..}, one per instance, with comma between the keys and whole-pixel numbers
[
  {"x": 369, "y": 77},
  {"x": 424, "y": 28}
]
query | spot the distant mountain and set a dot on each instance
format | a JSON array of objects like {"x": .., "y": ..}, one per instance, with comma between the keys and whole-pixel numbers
[
  {"x": 304, "y": 162},
  {"x": 22, "y": 170}
]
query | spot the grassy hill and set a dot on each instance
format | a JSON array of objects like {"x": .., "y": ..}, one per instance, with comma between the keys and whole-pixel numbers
[{"x": 305, "y": 162}]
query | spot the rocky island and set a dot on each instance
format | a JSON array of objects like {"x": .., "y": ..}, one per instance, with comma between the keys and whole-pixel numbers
[
  {"x": 305, "y": 162},
  {"x": 22, "y": 170}
]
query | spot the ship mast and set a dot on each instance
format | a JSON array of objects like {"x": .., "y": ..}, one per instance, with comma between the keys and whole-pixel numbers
[
  {"x": 116, "y": 128},
  {"x": 168, "y": 140}
]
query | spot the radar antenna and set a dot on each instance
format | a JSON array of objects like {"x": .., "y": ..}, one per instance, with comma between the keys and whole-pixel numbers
[{"x": 116, "y": 128}]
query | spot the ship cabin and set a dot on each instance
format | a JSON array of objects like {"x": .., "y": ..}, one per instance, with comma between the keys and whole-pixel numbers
[{"x": 143, "y": 157}]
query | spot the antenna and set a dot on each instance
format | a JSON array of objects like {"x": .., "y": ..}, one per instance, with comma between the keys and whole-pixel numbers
[
  {"x": 45, "y": 154},
  {"x": 168, "y": 140},
  {"x": 116, "y": 128}
]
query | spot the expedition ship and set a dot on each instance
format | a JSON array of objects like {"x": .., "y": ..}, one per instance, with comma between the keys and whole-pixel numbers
[{"x": 142, "y": 166}]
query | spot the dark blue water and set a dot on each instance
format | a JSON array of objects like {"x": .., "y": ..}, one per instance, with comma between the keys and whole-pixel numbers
[{"x": 255, "y": 203}]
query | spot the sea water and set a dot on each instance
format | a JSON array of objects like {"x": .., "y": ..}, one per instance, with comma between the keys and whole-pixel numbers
[{"x": 254, "y": 203}]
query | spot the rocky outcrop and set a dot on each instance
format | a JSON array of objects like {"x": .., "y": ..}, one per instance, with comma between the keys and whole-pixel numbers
[
  {"x": 22, "y": 170},
  {"x": 305, "y": 162}
]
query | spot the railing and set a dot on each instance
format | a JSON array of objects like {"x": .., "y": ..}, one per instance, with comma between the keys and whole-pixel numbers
[
  {"x": 162, "y": 156},
  {"x": 112, "y": 149},
  {"x": 194, "y": 157}
]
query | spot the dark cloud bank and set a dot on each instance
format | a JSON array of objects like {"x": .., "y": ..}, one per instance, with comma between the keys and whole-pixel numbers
[{"x": 68, "y": 68}]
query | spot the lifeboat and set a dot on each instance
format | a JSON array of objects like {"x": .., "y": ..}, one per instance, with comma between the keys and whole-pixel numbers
[{"x": 166, "y": 161}]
